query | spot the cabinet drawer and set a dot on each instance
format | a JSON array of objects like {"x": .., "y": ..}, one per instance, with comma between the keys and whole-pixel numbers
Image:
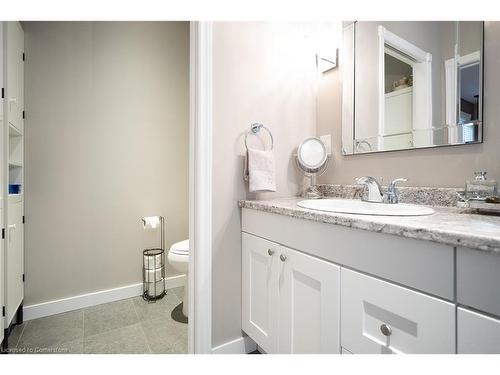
[
  {"x": 414, "y": 322},
  {"x": 478, "y": 280},
  {"x": 477, "y": 333}
]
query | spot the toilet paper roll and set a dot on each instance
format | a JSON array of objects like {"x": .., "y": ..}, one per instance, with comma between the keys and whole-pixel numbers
[
  {"x": 153, "y": 275},
  {"x": 153, "y": 262},
  {"x": 151, "y": 222}
]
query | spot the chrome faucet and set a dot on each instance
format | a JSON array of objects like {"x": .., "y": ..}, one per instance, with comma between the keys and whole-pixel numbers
[
  {"x": 373, "y": 191},
  {"x": 392, "y": 196}
]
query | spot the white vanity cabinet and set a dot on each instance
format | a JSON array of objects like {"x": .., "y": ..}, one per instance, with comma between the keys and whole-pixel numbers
[
  {"x": 312, "y": 287},
  {"x": 381, "y": 317},
  {"x": 290, "y": 300}
]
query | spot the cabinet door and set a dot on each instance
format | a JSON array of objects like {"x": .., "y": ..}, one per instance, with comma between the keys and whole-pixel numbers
[
  {"x": 381, "y": 317},
  {"x": 15, "y": 74},
  {"x": 260, "y": 291},
  {"x": 477, "y": 333},
  {"x": 15, "y": 259},
  {"x": 309, "y": 304}
]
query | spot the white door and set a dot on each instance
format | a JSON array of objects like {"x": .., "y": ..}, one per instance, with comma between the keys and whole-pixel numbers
[
  {"x": 381, "y": 317},
  {"x": 15, "y": 74},
  {"x": 260, "y": 297},
  {"x": 398, "y": 128},
  {"x": 309, "y": 304},
  {"x": 477, "y": 333},
  {"x": 15, "y": 258}
]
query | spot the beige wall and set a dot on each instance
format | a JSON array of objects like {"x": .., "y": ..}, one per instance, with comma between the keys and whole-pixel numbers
[
  {"x": 262, "y": 72},
  {"x": 446, "y": 166},
  {"x": 106, "y": 144}
]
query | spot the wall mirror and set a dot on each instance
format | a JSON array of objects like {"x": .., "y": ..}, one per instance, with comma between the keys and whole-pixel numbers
[{"x": 413, "y": 84}]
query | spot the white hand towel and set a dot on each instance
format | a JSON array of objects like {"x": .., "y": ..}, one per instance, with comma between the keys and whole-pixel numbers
[{"x": 261, "y": 170}]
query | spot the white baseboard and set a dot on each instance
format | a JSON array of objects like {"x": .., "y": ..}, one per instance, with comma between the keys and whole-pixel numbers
[
  {"x": 40, "y": 310},
  {"x": 241, "y": 345}
]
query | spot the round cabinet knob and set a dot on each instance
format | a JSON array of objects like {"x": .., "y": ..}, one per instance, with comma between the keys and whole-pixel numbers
[
  {"x": 386, "y": 330},
  {"x": 270, "y": 251},
  {"x": 283, "y": 257}
]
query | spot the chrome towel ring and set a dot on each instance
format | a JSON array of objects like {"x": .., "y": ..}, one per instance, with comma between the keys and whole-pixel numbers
[{"x": 254, "y": 129}]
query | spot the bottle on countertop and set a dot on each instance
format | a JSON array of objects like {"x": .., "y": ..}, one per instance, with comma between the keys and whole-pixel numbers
[{"x": 480, "y": 187}]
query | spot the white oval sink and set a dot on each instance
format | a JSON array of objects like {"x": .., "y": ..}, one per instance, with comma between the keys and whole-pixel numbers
[{"x": 358, "y": 207}]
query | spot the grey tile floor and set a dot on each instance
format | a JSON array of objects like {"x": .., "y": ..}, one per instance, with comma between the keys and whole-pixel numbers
[{"x": 123, "y": 327}]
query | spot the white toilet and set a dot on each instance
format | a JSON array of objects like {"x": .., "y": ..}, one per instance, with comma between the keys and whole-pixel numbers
[{"x": 178, "y": 257}]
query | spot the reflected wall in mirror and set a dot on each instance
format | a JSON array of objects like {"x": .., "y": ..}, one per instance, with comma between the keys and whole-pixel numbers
[{"x": 411, "y": 85}]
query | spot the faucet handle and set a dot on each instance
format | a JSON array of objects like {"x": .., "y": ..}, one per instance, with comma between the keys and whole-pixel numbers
[
  {"x": 392, "y": 197},
  {"x": 396, "y": 180}
]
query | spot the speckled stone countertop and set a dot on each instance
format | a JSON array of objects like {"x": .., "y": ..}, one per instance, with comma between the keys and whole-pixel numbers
[{"x": 450, "y": 226}]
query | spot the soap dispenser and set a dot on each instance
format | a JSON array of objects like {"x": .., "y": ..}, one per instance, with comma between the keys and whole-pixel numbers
[{"x": 480, "y": 188}]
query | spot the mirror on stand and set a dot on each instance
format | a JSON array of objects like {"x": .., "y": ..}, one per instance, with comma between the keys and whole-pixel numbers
[{"x": 312, "y": 159}]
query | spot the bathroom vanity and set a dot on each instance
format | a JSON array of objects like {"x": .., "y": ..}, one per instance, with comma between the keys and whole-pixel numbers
[{"x": 318, "y": 282}]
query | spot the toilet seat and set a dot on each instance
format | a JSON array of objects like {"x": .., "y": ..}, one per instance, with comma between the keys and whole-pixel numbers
[{"x": 180, "y": 248}]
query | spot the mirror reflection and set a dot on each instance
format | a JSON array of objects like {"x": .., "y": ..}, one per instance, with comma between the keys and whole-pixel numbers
[{"x": 414, "y": 85}]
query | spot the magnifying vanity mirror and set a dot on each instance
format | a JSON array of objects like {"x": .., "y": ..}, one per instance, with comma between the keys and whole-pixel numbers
[
  {"x": 312, "y": 159},
  {"x": 410, "y": 85}
]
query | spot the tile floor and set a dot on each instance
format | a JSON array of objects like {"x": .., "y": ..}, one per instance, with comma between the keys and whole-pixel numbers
[{"x": 122, "y": 327}]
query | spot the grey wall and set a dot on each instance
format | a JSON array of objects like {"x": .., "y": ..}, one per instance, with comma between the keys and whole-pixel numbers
[
  {"x": 262, "y": 72},
  {"x": 107, "y": 108},
  {"x": 446, "y": 166}
]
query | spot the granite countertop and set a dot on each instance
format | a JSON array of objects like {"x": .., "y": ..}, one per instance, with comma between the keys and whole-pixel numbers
[{"x": 450, "y": 226}]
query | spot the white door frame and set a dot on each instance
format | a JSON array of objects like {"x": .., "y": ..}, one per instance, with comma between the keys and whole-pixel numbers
[
  {"x": 200, "y": 189},
  {"x": 422, "y": 86},
  {"x": 452, "y": 67}
]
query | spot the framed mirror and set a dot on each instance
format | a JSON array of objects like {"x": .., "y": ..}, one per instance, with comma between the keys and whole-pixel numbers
[{"x": 414, "y": 84}]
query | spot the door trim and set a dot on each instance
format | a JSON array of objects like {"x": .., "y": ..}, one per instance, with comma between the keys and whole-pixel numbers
[{"x": 200, "y": 189}]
